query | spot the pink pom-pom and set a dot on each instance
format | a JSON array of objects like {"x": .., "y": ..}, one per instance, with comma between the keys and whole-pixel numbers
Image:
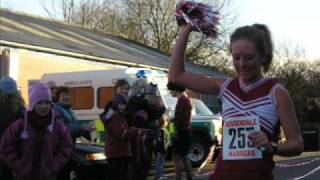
[{"x": 202, "y": 17}]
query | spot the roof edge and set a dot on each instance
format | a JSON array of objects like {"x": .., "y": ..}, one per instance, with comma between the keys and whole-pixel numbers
[{"x": 77, "y": 55}]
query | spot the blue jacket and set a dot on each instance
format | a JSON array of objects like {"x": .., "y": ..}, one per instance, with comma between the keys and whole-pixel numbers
[{"x": 69, "y": 119}]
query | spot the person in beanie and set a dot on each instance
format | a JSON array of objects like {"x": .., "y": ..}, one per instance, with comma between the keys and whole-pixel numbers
[
  {"x": 118, "y": 136},
  {"x": 182, "y": 130},
  {"x": 11, "y": 109},
  {"x": 37, "y": 146},
  {"x": 140, "y": 162},
  {"x": 121, "y": 87}
]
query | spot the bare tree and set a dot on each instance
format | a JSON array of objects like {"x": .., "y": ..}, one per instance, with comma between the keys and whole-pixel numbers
[
  {"x": 155, "y": 20},
  {"x": 150, "y": 22},
  {"x": 298, "y": 74}
]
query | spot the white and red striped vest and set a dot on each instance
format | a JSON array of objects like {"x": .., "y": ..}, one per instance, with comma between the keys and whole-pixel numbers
[{"x": 257, "y": 100}]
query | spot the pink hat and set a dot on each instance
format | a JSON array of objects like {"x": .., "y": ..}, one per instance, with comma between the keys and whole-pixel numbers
[{"x": 38, "y": 92}]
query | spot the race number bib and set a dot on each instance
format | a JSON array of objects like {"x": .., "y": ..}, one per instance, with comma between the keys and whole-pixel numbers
[{"x": 236, "y": 144}]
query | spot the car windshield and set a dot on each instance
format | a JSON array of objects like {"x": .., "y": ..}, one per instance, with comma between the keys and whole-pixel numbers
[{"x": 198, "y": 107}]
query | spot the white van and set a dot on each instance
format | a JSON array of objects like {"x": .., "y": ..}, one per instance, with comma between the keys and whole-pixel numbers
[{"x": 91, "y": 90}]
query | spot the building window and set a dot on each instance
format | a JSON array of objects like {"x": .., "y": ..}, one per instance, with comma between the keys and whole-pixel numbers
[
  {"x": 105, "y": 94},
  {"x": 82, "y": 97}
]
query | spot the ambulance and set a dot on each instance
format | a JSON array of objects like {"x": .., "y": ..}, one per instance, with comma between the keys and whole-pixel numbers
[{"x": 91, "y": 90}]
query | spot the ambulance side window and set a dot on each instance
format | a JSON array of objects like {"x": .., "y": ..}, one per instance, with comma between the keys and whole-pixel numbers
[
  {"x": 82, "y": 98},
  {"x": 105, "y": 94}
]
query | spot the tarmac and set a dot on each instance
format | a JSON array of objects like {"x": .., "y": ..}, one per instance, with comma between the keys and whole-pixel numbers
[{"x": 206, "y": 171}]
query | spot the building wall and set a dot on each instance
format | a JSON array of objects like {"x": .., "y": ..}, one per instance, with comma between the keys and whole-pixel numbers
[
  {"x": 27, "y": 66},
  {"x": 30, "y": 65}
]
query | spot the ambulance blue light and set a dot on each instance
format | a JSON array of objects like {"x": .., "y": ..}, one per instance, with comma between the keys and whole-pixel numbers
[{"x": 141, "y": 74}]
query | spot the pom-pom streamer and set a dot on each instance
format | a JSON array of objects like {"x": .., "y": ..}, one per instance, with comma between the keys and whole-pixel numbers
[{"x": 200, "y": 16}]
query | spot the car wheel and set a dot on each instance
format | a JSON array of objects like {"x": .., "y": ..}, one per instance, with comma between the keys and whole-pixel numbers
[
  {"x": 78, "y": 173},
  {"x": 198, "y": 151},
  {"x": 73, "y": 175}
]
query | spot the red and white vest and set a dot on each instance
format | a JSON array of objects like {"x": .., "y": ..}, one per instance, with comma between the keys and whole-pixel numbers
[{"x": 239, "y": 100}]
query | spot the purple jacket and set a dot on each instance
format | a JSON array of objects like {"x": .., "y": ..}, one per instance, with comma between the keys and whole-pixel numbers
[{"x": 18, "y": 154}]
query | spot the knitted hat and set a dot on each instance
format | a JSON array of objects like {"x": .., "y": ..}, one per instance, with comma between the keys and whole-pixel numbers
[
  {"x": 25, "y": 135},
  {"x": 38, "y": 92},
  {"x": 8, "y": 85}
]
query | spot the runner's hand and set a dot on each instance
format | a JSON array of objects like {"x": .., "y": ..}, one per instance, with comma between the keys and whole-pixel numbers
[
  {"x": 186, "y": 28},
  {"x": 260, "y": 140}
]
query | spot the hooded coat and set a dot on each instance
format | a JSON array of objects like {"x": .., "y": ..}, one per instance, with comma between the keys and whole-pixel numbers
[
  {"x": 118, "y": 134},
  {"x": 35, "y": 150}
]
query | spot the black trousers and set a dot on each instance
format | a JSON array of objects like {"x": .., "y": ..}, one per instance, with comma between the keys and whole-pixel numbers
[
  {"x": 118, "y": 168},
  {"x": 5, "y": 172}
]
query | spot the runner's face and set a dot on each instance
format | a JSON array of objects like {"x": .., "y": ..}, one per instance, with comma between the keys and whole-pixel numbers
[
  {"x": 246, "y": 60},
  {"x": 124, "y": 89}
]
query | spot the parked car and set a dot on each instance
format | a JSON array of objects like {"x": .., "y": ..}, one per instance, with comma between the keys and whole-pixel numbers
[{"x": 88, "y": 161}]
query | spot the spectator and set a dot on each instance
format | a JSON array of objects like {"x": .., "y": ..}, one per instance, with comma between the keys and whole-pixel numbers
[
  {"x": 37, "y": 146},
  {"x": 182, "y": 131},
  {"x": 63, "y": 107},
  {"x": 11, "y": 109},
  {"x": 121, "y": 87},
  {"x": 53, "y": 88},
  {"x": 118, "y": 136},
  {"x": 161, "y": 143},
  {"x": 140, "y": 162}
]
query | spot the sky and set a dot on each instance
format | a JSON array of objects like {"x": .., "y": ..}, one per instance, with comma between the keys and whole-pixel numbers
[{"x": 291, "y": 22}]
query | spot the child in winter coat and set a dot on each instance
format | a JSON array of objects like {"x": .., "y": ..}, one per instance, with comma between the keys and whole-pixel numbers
[
  {"x": 121, "y": 86},
  {"x": 37, "y": 146},
  {"x": 118, "y": 136},
  {"x": 161, "y": 146}
]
